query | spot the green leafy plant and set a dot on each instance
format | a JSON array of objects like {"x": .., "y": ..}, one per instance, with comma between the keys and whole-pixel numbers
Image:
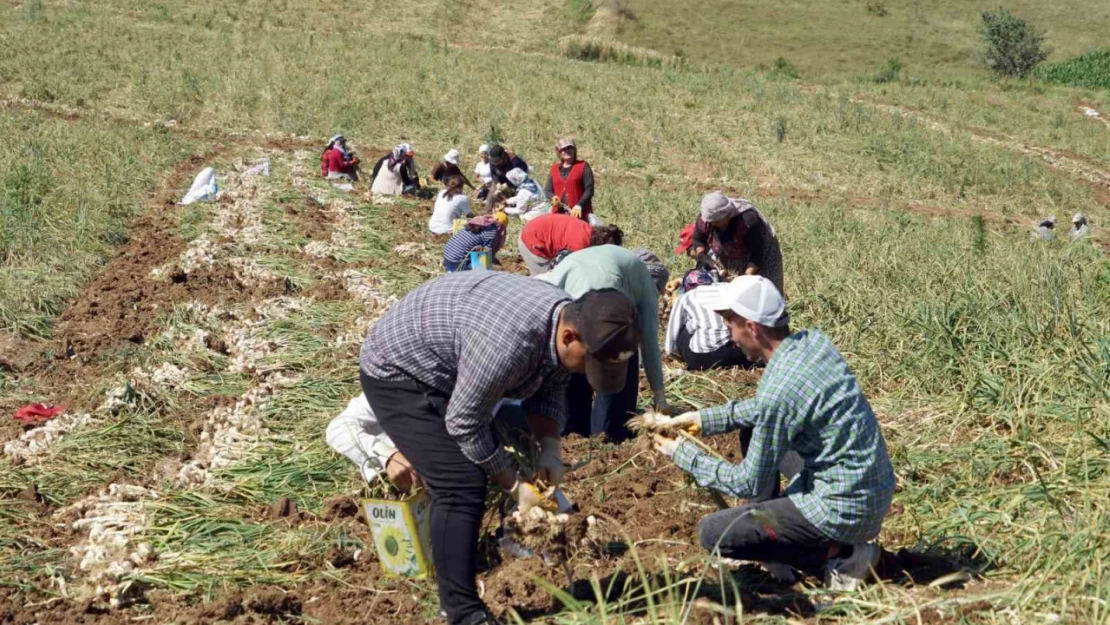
[
  {"x": 1091, "y": 70},
  {"x": 1011, "y": 46}
]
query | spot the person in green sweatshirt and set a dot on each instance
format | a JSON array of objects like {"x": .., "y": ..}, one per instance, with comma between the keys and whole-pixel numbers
[{"x": 642, "y": 277}]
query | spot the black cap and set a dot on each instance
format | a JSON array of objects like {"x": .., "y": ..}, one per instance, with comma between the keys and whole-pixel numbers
[
  {"x": 496, "y": 151},
  {"x": 610, "y": 329}
]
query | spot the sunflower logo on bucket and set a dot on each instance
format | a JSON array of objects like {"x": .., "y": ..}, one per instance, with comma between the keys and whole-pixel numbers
[{"x": 395, "y": 549}]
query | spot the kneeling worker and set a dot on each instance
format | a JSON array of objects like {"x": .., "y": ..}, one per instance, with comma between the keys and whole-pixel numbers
[
  {"x": 432, "y": 375},
  {"x": 808, "y": 404}
]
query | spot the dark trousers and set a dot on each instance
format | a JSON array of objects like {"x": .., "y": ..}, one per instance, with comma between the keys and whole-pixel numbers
[
  {"x": 769, "y": 528},
  {"x": 607, "y": 414},
  {"x": 728, "y": 355},
  {"x": 412, "y": 414}
]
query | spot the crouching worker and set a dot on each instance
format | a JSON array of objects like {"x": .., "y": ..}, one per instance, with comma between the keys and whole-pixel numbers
[
  {"x": 484, "y": 232},
  {"x": 356, "y": 434},
  {"x": 338, "y": 161},
  {"x": 642, "y": 280},
  {"x": 808, "y": 419},
  {"x": 432, "y": 375}
]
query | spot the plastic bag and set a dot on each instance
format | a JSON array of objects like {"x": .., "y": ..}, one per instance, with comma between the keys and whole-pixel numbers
[
  {"x": 261, "y": 169},
  {"x": 204, "y": 187}
]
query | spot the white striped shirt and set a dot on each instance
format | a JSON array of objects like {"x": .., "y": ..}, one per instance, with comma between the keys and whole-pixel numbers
[{"x": 707, "y": 329}]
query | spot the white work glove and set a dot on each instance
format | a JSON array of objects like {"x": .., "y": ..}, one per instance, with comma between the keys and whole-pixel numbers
[
  {"x": 664, "y": 445},
  {"x": 659, "y": 398},
  {"x": 689, "y": 422},
  {"x": 576, "y": 211},
  {"x": 549, "y": 466},
  {"x": 526, "y": 496}
]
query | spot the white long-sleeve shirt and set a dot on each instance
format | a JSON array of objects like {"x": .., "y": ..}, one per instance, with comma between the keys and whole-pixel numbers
[
  {"x": 356, "y": 434},
  {"x": 446, "y": 211}
]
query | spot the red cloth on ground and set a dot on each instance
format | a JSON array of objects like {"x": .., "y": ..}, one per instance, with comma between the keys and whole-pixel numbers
[
  {"x": 546, "y": 235},
  {"x": 571, "y": 189},
  {"x": 34, "y": 413},
  {"x": 685, "y": 239}
]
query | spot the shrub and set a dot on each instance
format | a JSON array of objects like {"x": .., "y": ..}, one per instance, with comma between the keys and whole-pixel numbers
[
  {"x": 580, "y": 10},
  {"x": 1092, "y": 71},
  {"x": 878, "y": 9},
  {"x": 890, "y": 73},
  {"x": 1011, "y": 46},
  {"x": 785, "y": 68}
]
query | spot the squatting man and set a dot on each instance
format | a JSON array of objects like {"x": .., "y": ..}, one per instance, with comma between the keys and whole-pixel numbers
[{"x": 808, "y": 420}]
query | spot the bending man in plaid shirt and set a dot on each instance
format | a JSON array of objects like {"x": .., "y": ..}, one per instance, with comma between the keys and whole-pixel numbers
[
  {"x": 438, "y": 362},
  {"x": 809, "y": 420}
]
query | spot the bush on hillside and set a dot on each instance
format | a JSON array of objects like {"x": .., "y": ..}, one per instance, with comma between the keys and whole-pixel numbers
[
  {"x": 890, "y": 73},
  {"x": 1011, "y": 46},
  {"x": 1091, "y": 70}
]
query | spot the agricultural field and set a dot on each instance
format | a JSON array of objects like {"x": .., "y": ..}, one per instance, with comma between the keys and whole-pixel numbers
[{"x": 201, "y": 350}]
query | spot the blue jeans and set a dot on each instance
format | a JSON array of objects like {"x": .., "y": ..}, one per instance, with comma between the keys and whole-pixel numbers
[{"x": 607, "y": 414}]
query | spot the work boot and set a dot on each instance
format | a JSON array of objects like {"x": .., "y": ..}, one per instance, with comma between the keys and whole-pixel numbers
[
  {"x": 480, "y": 618},
  {"x": 846, "y": 574}
]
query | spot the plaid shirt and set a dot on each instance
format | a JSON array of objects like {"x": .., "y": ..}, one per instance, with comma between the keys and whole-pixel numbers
[
  {"x": 807, "y": 401},
  {"x": 478, "y": 336}
]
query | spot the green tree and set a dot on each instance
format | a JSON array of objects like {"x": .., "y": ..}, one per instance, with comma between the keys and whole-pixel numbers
[{"x": 1011, "y": 46}]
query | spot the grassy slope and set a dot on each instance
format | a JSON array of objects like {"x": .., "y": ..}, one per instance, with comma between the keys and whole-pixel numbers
[
  {"x": 986, "y": 365},
  {"x": 844, "y": 39}
]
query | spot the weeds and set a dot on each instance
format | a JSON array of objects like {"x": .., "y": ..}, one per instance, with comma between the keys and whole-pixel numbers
[{"x": 584, "y": 48}]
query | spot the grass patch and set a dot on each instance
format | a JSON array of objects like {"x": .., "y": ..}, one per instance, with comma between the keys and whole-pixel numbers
[{"x": 586, "y": 48}]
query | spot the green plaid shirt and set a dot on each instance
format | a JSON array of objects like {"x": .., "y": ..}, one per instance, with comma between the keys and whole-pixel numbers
[{"x": 808, "y": 401}]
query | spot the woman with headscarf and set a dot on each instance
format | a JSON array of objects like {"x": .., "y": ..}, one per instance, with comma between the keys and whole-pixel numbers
[
  {"x": 530, "y": 201},
  {"x": 572, "y": 181},
  {"x": 338, "y": 162},
  {"x": 544, "y": 238},
  {"x": 395, "y": 173},
  {"x": 1079, "y": 228},
  {"x": 482, "y": 232},
  {"x": 731, "y": 234},
  {"x": 451, "y": 204}
]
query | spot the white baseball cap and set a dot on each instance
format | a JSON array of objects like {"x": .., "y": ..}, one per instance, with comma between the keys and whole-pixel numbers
[
  {"x": 754, "y": 298},
  {"x": 452, "y": 156}
]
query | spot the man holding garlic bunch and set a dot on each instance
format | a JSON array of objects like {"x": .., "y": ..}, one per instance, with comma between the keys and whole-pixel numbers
[
  {"x": 808, "y": 420},
  {"x": 441, "y": 358}
]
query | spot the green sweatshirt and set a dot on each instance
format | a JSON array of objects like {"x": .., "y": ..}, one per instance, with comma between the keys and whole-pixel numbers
[{"x": 613, "y": 267}]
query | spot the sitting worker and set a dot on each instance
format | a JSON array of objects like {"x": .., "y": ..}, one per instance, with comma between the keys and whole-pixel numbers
[
  {"x": 482, "y": 168},
  {"x": 529, "y": 201},
  {"x": 572, "y": 181},
  {"x": 356, "y": 434},
  {"x": 807, "y": 402},
  {"x": 698, "y": 336},
  {"x": 543, "y": 238},
  {"x": 439, "y": 360},
  {"x": 448, "y": 167},
  {"x": 1045, "y": 230},
  {"x": 731, "y": 234},
  {"x": 337, "y": 161},
  {"x": 395, "y": 173},
  {"x": 613, "y": 267},
  {"x": 482, "y": 233},
  {"x": 451, "y": 204},
  {"x": 1079, "y": 227}
]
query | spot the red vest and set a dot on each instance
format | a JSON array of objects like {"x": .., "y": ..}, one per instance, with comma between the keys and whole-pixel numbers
[{"x": 571, "y": 188}]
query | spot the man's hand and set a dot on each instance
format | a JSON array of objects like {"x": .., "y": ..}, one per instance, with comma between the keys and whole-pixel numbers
[
  {"x": 664, "y": 445},
  {"x": 751, "y": 270},
  {"x": 525, "y": 495},
  {"x": 549, "y": 466},
  {"x": 400, "y": 472},
  {"x": 689, "y": 422},
  {"x": 660, "y": 401},
  {"x": 576, "y": 211}
]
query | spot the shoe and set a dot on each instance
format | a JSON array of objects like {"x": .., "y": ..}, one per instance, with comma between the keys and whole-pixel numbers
[
  {"x": 846, "y": 574},
  {"x": 480, "y": 618},
  {"x": 781, "y": 573}
]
